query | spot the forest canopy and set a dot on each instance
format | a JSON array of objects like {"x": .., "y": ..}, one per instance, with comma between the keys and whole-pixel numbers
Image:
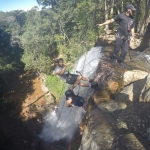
[{"x": 61, "y": 28}]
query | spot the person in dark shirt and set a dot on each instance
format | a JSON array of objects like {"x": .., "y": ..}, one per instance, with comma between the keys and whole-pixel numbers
[
  {"x": 72, "y": 79},
  {"x": 125, "y": 33},
  {"x": 73, "y": 100}
]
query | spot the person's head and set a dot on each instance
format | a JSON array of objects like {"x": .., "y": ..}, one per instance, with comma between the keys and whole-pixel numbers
[
  {"x": 130, "y": 9},
  {"x": 69, "y": 93},
  {"x": 60, "y": 62}
]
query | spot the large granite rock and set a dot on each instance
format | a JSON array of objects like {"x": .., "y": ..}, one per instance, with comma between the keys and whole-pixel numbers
[
  {"x": 131, "y": 92},
  {"x": 132, "y": 76}
]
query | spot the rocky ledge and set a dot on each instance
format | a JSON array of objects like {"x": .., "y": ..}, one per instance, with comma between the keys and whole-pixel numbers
[{"x": 118, "y": 114}]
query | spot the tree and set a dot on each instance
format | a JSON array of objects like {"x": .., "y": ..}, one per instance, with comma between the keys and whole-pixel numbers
[{"x": 38, "y": 42}]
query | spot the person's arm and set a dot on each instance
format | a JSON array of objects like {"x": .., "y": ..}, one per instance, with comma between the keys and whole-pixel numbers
[
  {"x": 69, "y": 103},
  {"x": 63, "y": 70},
  {"x": 106, "y": 22}
]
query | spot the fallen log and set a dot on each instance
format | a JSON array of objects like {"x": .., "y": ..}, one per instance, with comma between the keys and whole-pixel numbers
[{"x": 31, "y": 103}]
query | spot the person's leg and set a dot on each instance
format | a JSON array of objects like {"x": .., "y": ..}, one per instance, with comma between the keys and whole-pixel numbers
[
  {"x": 124, "y": 50},
  {"x": 77, "y": 82},
  {"x": 84, "y": 78},
  {"x": 117, "y": 47},
  {"x": 84, "y": 84}
]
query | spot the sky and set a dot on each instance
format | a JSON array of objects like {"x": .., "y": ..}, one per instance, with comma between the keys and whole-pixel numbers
[{"x": 9, "y": 5}]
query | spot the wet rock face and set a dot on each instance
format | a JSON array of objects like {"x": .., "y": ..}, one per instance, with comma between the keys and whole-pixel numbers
[
  {"x": 98, "y": 131},
  {"x": 119, "y": 119},
  {"x": 108, "y": 80}
]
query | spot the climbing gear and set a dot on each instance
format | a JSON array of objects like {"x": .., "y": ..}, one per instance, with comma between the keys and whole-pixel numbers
[
  {"x": 69, "y": 93},
  {"x": 124, "y": 38}
]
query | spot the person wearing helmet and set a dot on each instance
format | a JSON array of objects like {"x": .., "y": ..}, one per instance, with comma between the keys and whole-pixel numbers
[
  {"x": 72, "y": 79},
  {"x": 125, "y": 32},
  {"x": 73, "y": 100}
]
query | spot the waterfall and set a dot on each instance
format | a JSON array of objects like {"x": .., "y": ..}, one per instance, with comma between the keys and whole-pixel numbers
[{"x": 65, "y": 123}]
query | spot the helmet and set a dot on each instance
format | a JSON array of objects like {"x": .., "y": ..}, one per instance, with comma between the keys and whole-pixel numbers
[
  {"x": 69, "y": 93},
  {"x": 59, "y": 59}
]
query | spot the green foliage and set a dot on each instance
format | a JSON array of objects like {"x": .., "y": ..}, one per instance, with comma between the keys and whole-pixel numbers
[
  {"x": 56, "y": 86},
  {"x": 67, "y": 28}
]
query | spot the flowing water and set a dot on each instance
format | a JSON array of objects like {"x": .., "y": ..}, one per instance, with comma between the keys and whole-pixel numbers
[{"x": 63, "y": 124}]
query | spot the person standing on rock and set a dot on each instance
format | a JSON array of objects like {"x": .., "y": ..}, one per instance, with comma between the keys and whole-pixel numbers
[
  {"x": 125, "y": 32},
  {"x": 73, "y": 79}
]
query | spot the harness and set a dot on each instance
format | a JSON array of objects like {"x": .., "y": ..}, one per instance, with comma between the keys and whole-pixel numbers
[{"x": 124, "y": 38}]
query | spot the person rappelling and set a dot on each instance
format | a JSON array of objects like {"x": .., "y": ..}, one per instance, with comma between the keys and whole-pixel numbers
[
  {"x": 72, "y": 79},
  {"x": 73, "y": 100},
  {"x": 125, "y": 33}
]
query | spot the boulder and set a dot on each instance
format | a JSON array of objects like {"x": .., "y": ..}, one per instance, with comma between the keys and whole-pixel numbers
[
  {"x": 132, "y": 76},
  {"x": 145, "y": 93},
  {"x": 130, "y": 94}
]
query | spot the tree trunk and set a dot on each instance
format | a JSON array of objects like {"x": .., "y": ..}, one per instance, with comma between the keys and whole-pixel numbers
[
  {"x": 112, "y": 8},
  {"x": 146, "y": 40},
  {"x": 122, "y": 7},
  {"x": 106, "y": 15},
  {"x": 143, "y": 25},
  {"x": 137, "y": 15}
]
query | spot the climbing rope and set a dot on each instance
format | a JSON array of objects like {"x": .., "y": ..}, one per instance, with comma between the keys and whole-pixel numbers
[{"x": 65, "y": 119}]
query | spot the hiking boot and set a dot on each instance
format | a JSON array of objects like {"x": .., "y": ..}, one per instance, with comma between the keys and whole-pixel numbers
[
  {"x": 94, "y": 85},
  {"x": 114, "y": 62},
  {"x": 122, "y": 64}
]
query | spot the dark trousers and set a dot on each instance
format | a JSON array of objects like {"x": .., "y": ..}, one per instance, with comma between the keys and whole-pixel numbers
[{"x": 123, "y": 45}]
